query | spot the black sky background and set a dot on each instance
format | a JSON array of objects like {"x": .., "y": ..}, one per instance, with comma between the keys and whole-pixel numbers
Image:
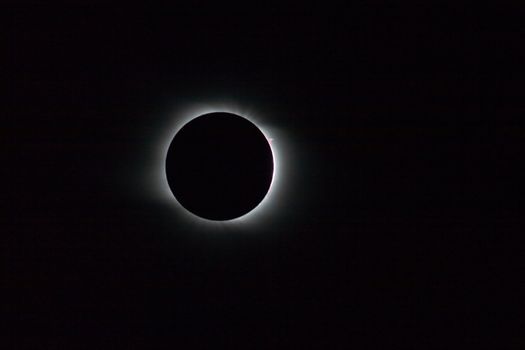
[{"x": 401, "y": 226}]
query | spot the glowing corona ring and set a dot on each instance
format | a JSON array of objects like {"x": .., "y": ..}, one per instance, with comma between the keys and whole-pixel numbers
[{"x": 269, "y": 204}]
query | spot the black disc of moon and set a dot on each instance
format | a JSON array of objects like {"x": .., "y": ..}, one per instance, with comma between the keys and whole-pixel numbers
[{"x": 219, "y": 166}]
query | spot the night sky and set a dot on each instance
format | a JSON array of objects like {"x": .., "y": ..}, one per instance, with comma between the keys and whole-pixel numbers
[{"x": 396, "y": 221}]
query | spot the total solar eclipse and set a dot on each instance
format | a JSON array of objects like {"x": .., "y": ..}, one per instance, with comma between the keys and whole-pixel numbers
[{"x": 219, "y": 166}]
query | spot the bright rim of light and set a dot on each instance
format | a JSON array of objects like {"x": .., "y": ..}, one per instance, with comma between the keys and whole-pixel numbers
[{"x": 162, "y": 191}]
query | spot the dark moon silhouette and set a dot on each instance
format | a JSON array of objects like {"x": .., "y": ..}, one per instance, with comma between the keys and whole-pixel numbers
[{"x": 219, "y": 166}]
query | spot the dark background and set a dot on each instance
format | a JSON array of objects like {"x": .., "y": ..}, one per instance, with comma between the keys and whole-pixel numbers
[{"x": 401, "y": 227}]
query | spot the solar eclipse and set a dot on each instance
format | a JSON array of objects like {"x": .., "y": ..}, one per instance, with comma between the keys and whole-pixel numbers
[
  {"x": 219, "y": 166},
  {"x": 154, "y": 174}
]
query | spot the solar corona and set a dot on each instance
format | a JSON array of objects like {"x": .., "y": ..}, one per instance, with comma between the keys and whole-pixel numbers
[{"x": 219, "y": 166}]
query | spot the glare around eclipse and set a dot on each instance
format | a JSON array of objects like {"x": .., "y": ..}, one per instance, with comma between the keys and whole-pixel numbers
[{"x": 158, "y": 180}]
